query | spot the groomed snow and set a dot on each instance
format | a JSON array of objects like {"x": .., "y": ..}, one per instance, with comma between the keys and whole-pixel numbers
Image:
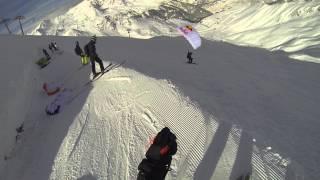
[{"x": 238, "y": 110}]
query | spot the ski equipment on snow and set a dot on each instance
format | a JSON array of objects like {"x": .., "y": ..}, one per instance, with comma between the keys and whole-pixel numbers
[
  {"x": 82, "y": 87},
  {"x": 107, "y": 69}
]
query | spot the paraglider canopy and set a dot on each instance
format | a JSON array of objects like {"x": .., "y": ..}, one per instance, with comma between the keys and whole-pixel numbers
[{"x": 191, "y": 35}]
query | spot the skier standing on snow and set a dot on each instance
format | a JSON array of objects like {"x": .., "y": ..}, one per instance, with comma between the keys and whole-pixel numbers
[
  {"x": 189, "y": 56},
  {"x": 90, "y": 50}
]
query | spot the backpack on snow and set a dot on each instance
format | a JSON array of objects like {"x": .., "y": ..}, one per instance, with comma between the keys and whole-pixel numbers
[
  {"x": 158, "y": 157},
  {"x": 84, "y": 60}
]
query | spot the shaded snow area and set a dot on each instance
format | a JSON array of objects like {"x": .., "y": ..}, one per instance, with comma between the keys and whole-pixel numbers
[{"x": 237, "y": 110}]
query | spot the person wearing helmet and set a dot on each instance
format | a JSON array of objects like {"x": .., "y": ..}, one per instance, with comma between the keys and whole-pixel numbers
[{"x": 90, "y": 50}]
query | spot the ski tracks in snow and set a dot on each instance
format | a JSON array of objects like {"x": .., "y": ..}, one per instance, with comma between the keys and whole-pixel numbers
[
  {"x": 125, "y": 110},
  {"x": 83, "y": 125}
]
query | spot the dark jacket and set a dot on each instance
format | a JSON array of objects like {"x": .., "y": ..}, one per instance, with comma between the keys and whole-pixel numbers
[
  {"x": 189, "y": 55},
  {"x": 78, "y": 50},
  {"x": 91, "y": 49}
]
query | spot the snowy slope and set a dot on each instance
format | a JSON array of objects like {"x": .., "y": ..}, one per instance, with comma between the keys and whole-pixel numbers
[
  {"x": 239, "y": 109},
  {"x": 289, "y": 26}
]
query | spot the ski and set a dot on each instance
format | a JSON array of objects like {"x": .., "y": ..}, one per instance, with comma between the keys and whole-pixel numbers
[
  {"x": 192, "y": 63},
  {"x": 102, "y": 72},
  {"x": 107, "y": 69}
]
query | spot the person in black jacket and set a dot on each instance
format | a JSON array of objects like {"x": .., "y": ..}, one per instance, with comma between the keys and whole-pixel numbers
[
  {"x": 158, "y": 157},
  {"x": 189, "y": 56},
  {"x": 78, "y": 50},
  {"x": 90, "y": 50}
]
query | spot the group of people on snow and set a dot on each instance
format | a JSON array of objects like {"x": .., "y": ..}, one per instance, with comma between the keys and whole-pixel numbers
[
  {"x": 89, "y": 52},
  {"x": 53, "y": 47}
]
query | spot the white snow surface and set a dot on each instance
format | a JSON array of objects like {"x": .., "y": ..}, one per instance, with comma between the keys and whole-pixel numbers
[{"x": 238, "y": 110}]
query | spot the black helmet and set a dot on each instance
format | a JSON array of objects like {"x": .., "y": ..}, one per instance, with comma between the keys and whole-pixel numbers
[{"x": 94, "y": 38}]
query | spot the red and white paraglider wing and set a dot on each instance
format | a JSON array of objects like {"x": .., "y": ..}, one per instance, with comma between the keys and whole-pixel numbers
[{"x": 191, "y": 35}]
